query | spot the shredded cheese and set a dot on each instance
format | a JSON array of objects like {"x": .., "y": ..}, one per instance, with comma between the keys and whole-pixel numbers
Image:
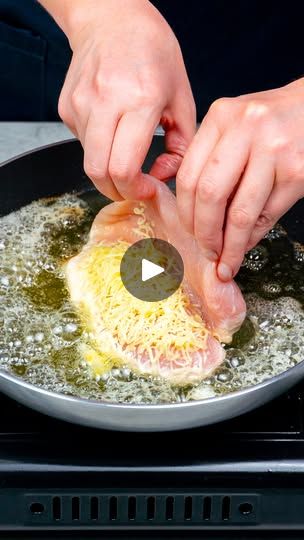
[
  {"x": 122, "y": 327},
  {"x": 170, "y": 327}
]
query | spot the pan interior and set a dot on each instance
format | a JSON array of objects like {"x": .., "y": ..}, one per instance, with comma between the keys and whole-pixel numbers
[{"x": 41, "y": 332}]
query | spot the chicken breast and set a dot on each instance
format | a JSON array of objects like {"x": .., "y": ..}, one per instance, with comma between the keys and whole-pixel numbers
[
  {"x": 222, "y": 304},
  {"x": 177, "y": 338}
]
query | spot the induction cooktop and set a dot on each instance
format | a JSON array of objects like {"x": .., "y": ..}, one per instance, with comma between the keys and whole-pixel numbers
[{"x": 243, "y": 475}]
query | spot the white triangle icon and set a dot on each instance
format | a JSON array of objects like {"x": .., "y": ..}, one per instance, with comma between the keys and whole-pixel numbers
[{"x": 150, "y": 270}]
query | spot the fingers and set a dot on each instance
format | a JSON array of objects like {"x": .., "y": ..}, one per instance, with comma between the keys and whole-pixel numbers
[
  {"x": 190, "y": 170},
  {"x": 167, "y": 164},
  {"x": 179, "y": 132},
  {"x": 114, "y": 148},
  {"x": 220, "y": 175},
  {"x": 277, "y": 205},
  {"x": 98, "y": 140},
  {"x": 244, "y": 211},
  {"x": 131, "y": 143}
]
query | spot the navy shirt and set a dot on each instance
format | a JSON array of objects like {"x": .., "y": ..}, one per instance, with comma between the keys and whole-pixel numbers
[
  {"x": 238, "y": 46},
  {"x": 230, "y": 48},
  {"x": 34, "y": 57}
]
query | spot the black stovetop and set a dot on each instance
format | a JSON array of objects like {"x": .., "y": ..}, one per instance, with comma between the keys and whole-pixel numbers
[
  {"x": 269, "y": 437},
  {"x": 24, "y": 431},
  {"x": 245, "y": 473}
]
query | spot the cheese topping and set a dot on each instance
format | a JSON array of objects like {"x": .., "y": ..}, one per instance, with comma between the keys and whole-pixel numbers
[
  {"x": 172, "y": 327},
  {"x": 123, "y": 329}
]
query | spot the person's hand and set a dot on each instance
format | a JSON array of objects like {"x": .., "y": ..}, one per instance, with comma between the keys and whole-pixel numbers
[
  {"x": 127, "y": 75},
  {"x": 242, "y": 172}
]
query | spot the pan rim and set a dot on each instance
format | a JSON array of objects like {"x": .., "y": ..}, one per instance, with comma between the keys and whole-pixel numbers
[
  {"x": 37, "y": 149},
  {"x": 150, "y": 406}
]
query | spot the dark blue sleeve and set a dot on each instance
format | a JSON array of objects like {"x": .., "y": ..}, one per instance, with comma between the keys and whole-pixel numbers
[
  {"x": 230, "y": 48},
  {"x": 34, "y": 57},
  {"x": 234, "y": 47}
]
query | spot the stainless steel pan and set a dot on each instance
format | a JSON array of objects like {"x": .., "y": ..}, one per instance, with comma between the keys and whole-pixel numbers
[{"x": 57, "y": 169}]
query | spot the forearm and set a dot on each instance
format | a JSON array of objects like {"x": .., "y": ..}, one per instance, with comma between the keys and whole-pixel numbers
[
  {"x": 72, "y": 15},
  {"x": 61, "y": 11}
]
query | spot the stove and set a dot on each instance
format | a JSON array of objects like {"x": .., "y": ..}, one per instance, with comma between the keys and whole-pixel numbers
[{"x": 243, "y": 475}]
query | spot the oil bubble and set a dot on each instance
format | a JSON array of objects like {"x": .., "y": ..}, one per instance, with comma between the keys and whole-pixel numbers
[
  {"x": 235, "y": 357},
  {"x": 225, "y": 375},
  {"x": 256, "y": 259},
  {"x": 271, "y": 290}
]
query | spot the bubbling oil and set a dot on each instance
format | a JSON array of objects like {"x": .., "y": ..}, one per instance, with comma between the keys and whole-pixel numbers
[{"x": 40, "y": 331}]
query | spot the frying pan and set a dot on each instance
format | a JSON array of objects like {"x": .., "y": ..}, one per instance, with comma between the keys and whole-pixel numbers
[{"x": 57, "y": 169}]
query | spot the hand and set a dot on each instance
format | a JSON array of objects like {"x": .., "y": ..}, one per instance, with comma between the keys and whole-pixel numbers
[
  {"x": 127, "y": 75},
  {"x": 242, "y": 172}
]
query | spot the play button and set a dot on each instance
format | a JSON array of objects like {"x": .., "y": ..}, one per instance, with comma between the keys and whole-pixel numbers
[{"x": 151, "y": 270}]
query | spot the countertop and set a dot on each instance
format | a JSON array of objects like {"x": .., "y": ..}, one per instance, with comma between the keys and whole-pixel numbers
[{"x": 19, "y": 137}]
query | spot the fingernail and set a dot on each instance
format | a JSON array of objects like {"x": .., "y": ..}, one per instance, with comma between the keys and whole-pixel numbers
[{"x": 224, "y": 272}]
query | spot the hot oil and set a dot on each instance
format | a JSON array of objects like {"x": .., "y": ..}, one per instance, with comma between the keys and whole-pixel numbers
[{"x": 40, "y": 331}]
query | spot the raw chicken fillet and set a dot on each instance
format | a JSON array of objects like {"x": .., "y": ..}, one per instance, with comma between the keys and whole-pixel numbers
[{"x": 177, "y": 338}]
